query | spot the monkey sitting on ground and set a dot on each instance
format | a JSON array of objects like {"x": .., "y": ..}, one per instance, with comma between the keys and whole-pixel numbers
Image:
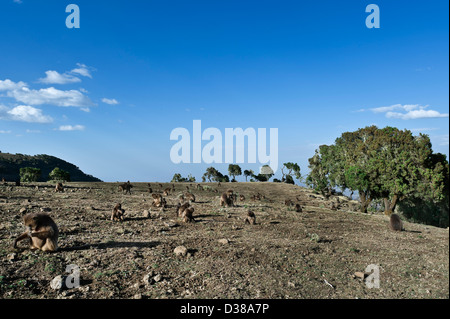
[
  {"x": 190, "y": 197},
  {"x": 118, "y": 213},
  {"x": 395, "y": 223},
  {"x": 158, "y": 201},
  {"x": 59, "y": 188},
  {"x": 226, "y": 200},
  {"x": 251, "y": 218},
  {"x": 187, "y": 215},
  {"x": 150, "y": 190},
  {"x": 288, "y": 202},
  {"x": 181, "y": 208},
  {"x": 298, "y": 208},
  {"x": 167, "y": 191},
  {"x": 41, "y": 231},
  {"x": 242, "y": 198}
]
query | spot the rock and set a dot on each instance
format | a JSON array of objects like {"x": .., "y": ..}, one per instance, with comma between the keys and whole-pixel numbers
[
  {"x": 11, "y": 257},
  {"x": 45, "y": 209},
  {"x": 58, "y": 283},
  {"x": 26, "y": 202},
  {"x": 157, "y": 278},
  {"x": 148, "y": 280},
  {"x": 180, "y": 251},
  {"x": 137, "y": 296},
  {"x": 146, "y": 214},
  {"x": 23, "y": 211},
  {"x": 224, "y": 241},
  {"x": 359, "y": 274}
]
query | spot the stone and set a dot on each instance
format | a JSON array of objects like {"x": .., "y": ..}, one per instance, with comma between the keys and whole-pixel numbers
[
  {"x": 224, "y": 241},
  {"x": 180, "y": 251}
]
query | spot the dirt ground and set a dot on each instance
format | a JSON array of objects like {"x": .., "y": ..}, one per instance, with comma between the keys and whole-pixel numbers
[{"x": 287, "y": 254}]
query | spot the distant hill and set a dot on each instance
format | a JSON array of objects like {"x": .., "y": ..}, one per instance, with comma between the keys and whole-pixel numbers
[{"x": 10, "y": 165}]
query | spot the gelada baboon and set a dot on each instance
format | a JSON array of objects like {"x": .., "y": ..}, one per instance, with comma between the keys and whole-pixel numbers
[
  {"x": 150, "y": 190},
  {"x": 298, "y": 208},
  {"x": 288, "y": 202},
  {"x": 126, "y": 187},
  {"x": 242, "y": 198},
  {"x": 251, "y": 218},
  {"x": 158, "y": 200},
  {"x": 41, "y": 231},
  {"x": 59, "y": 188},
  {"x": 226, "y": 200},
  {"x": 186, "y": 212},
  {"x": 167, "y": 191},
  {"x": 118, "y": 213},
  {"x": 189, "y": 197},
  {"x": 181, "y": 208},
  {"x": 396, "y": 223}
]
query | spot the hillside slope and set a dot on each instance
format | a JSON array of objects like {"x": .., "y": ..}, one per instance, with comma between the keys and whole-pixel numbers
[
  {"x": 287, "y": 254},
  {"x": 10, "y": 165}
]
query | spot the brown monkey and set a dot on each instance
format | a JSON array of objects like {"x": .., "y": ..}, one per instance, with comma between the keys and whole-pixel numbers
[
  {"x": 150, "y": 190},
  {"x": 181, "y": 208},
  {"x": 218, "y": 185},
  {"x": 160, "y": 185},
  {"x": 173, "y": 188},
  {"x": 199, "y": 187},
  {"x": 158, "y": 200},
  {"x": 126, "y": 187},
  {"x": 118, "y": 213},
  {"x": 190, "y": 197},
  {"x": 187, "y": 214},
  {"x": 396, "y": 223},
  {"x": 298, "y": 208},
  {"x": 41, "y": 231},
  {"x": 166, "y": 191},
  {"x": 251, "y": 218},
  {"x": 59, "y": 188},
  {"x": 288, "y": 202},
  {"x": 242, "y": 198},
  {"x": 226, "y": 200}
]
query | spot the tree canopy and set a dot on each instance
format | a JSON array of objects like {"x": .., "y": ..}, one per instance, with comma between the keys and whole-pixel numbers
[{"x": 388, "y": 164}]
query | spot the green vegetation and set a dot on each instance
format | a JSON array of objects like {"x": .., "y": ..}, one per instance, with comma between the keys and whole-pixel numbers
[
  {"x": 59, "y": 175},
  {"x": 30, "y": 174},
  {"x": 10, "y": 165},
  {"x": 387, "y": 164}
]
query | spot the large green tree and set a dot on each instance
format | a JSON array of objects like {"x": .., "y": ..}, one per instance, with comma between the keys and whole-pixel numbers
[
  {"x": 59, "y": 175},
  {"x": 292, "y": 170},
  {"x": 388, "y": 164},
  {"x": 234, "y": 170}
]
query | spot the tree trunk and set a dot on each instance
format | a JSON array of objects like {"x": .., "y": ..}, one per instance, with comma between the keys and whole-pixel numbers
[
  {"x": 365, "y": 201},
  {"x": 389, "y": 206}
]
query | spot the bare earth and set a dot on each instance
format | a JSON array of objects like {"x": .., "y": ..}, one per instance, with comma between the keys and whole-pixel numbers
[{"x": 312, "y": 254}]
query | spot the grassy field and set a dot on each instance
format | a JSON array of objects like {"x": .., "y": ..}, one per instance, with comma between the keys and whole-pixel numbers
[{"x": 287, "y": 254}]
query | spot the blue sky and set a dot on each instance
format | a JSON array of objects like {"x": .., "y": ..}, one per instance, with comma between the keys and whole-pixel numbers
[{"x": 106, "y": 96}]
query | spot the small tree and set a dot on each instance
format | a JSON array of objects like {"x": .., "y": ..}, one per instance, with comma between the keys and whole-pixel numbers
[
  {"x": 59, "y": 175},
  {"x": 293, "y": 169},
  {"x": 30, "y": 174},
  {"x": 234, "y": 170},
  {"x": 248, "y": 173}
]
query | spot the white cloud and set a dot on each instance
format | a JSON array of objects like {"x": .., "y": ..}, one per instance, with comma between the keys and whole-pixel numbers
[
  {"x": 410, "y": 112},
  {"x": 33, "y": 131},
  {"x": 71, "y": 128},
  {"x": 110, "y": 101},
  {"x": 8, "y": 85},
  {"x": 24, "y": 113},
  {"x": 5, "y": 132},
  {"x": 54, "y": 77},
  {"x": 50, "y": 96},
  {"x": 416, "y": 114},
  {"x": 17, "y": 1},
  {"x": 406, "y": 107},
  {"x": 82, "y": 70}
]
